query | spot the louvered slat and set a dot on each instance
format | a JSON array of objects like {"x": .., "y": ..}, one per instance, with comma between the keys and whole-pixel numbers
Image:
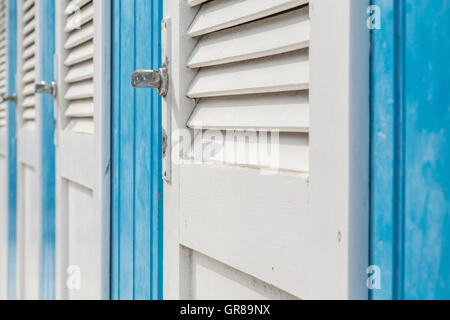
[
  {"x": 3, "y": 61},
  {"x": 221, "y": 14},
  {"x": 285, "y": 112},
  {"x": 287, "y": 72},
  {"x": 79, "y": 27},
  {"x": 193, "y": 3},
  {"x": 28, "y": 62},
  {"x": 279, "y": 34},
  {"x": 252, "y": 58}
]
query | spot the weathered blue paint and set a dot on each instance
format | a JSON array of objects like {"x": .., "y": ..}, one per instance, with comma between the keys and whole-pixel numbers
[
  {"x": 383, "y": 145},
  {"x": 410, "y": 236},
  {"x": 48, "y": 153},
  {"x": 12, "y": 150},
  {"x": 137, "y": 185}
]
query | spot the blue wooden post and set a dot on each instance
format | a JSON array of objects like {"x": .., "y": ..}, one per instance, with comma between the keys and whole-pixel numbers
[
  {"x": 12, "y": 153},
  {"x": 48, "y": 152},
  {"x": 136, "y": 168},
  {"x": 410, "y": 220}
]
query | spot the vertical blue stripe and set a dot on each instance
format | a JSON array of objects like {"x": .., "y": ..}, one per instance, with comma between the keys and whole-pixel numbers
[
  {"x": 136, "y": 262},
  {"x": 12, "y": 153},
  {"x": 383, "y": 160},
  {"x": 48, "y": 153}
]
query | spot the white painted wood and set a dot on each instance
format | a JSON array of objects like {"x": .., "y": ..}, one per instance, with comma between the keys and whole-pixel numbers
[
  {"x": 75, "y": 5},
  {"x": 79, "y": 27},
  {"x": 279, "y": 34},
  {"x": 216, "y": 281},
  {"x": 285, "y": 72},
  {"x": 3, "y": 69},
  {"x": 286, "y": 112},
  {"x": 272, "y": 152},
  {"x": 83, "y": 148},
  {"x": 79, "y": 18},
  {"x": 28, "y": 63},
  {"x": 220, "y": 14},
  {"x": 339, "y": 140},
  {"x": 259, "y": 225},
  {"x": 29, "y": 142},
  {"x": 3, "y": 225},
  {"x": 80, "y": 36},
  {"x": 302, "y": 233},
  {"x": 29, "y": 222}
]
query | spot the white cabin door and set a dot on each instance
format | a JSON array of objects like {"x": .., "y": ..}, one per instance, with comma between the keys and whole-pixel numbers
[
  {"x": 28, "y": 128},
  {"x": 262, "y": 199},
  {"x": 82, "y": 149}
]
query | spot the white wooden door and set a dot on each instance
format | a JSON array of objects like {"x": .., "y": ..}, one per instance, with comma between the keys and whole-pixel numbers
[
  {"x": 275, "y": 204},
  {"x": 82, "y": 148},
  {"x": 28, "y": 125},
  {"x": 3, "y": 153}
]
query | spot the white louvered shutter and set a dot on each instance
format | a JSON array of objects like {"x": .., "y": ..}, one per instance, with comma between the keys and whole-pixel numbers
[
  {"x": 253, "y": 72},
  {"x": 28, "y": 42},
  {"x": 80, "y": 64},
  {"x": 28, "y": 150},
  {"x": 241, "y": 227},
  {"x": 242, "y": 213},
  {"x": 3, "y": 63},
  {"x": 82, "y": 146}
]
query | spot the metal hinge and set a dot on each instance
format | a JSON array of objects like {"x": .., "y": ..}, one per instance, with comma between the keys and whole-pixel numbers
[
  {"x": 12, "y": 98},
  {"x": 45, "y": 88}
]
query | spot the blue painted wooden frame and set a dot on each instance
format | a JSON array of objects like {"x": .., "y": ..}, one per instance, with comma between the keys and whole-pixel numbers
[
  {"x": 410, "y": 183},
  {"x": 136, "y": 257},
  {"x": 12, "y": 150},
  {"x": 47, "y": 35}
]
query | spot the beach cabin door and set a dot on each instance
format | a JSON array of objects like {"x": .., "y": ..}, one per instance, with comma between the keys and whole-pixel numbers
[{"x": 82, "y": 139}]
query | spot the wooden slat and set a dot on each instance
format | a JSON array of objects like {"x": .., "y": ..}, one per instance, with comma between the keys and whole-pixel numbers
[
  {"x": 75, "y": 5},
  {"x": 29, "y": 52},
  {"x": 28, "y": 89},
  {"x": 83, "y": 125},
  {"x": 279, "y": 34},
  {"x": 29, "y": 114},
  {"x": 77, "y": 20},
  {"x": 80, "y": 47},
  {"x": 79, "y": 72},
  {"x": 80, "y": 109},
  {"x": 220, "y": 14},
  {"x": 241, "y": 148},
  {"x": 285, "y": 72},
  {"x": 286, "y": 112},
  {"x": 28, "y": 27},
  {"x": 80, "y": 36},
  {"x": 28, "y": 63},
  {"x": 27, "y": 4},
  {"x": 29, "y": 15},
  {"x": 29, "y": 39},
  {"x": 193, "y": 3},
  {"x": 29, "y": 76},
  {"x": 29, "y": 102},
  {"x": 80, "y": 54}
]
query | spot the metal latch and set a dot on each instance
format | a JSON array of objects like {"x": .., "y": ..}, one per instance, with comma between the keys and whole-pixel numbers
[
  {"x": 158, "y": 79},
  {"x": 43, "y": 87},
  {"x": 12, "y": 98}
]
